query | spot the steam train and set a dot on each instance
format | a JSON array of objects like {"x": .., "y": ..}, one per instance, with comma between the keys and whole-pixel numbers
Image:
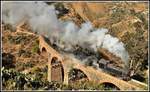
[{"x": 116, "y": 71}]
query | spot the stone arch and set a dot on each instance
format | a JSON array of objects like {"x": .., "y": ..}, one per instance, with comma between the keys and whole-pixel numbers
[
  {"x": 84, "y": 70},
  {"x": 114, "y": 84},
  {"x": 108, "y": 85},
  {"x": 43, "y": 49},
  {"x": 44, "y": 52},
  {"x": 54, "y": 60},
  {"x": 57, "y": 70},
  {"x": 76, "y": 74}
]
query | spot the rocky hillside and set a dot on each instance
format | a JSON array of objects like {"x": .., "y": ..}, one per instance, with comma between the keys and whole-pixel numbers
[
  {"x": 24, "y": 67},
  {"x": 126, "y": 21}
]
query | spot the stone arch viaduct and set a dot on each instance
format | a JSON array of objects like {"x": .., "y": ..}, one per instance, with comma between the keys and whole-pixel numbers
[{"x": 66, "y": 63}]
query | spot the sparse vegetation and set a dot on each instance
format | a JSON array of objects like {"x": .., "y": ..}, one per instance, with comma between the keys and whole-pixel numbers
[
  {"x": 118, "y": 14},
  {"x": 16, "y": 39},
  {"x": 29, "y": 64},
  {"x": 61, "y": 9},
  {"x": 14, "y": 80},
  {"x": 138, "y": 53},
  {"x": 35, "y": 48},
  {"x": 8, "y": 27},
  {"x": 24, "y": 53}
]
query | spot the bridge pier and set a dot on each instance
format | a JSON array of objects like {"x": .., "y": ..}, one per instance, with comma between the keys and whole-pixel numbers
[
  {"x": 66, "y": 78},
  {"x": 49, "y": 68}
]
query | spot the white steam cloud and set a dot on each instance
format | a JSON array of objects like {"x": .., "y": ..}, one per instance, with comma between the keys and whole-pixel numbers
[{"x": 43, "y": 19}]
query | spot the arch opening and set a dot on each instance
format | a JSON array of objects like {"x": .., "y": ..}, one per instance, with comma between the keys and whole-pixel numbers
[
  {"x": 76, "y": 75},
  {"x": 109, "y": 86},
  {"x": 57, "y": 70},
  {"x": 44, "y": 52},
  {"x": 43, "y": 49},
  {"x": 55, "y": 61}
]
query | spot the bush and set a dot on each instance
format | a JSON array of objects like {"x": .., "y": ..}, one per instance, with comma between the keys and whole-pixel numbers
[
  {"x": 35, "y": 48},
  {"x": 13, "y": 80},
  {"x": 29, "y": 64},
  {"x": 137, "y": 47},
  {"x": 8, "y": 60},
  {"x": 36, "y": 69},
  {"x": 17, "y": 39},
  {"x": 24, "y": 53},
  {"x": 85, "y": 85}
]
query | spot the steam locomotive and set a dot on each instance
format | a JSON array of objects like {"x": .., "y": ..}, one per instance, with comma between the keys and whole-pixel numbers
[{"x": 106, "y": 66}]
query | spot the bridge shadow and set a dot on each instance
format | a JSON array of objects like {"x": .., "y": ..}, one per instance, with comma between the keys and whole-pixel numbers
[
  {"x": 77, "y": 75},
  {"x": 109, "y": 86},
  {"x": 8, "y": 60}
]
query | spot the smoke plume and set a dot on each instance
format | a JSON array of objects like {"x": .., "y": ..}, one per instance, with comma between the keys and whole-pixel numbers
[{"x": 43, "y": 19}]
